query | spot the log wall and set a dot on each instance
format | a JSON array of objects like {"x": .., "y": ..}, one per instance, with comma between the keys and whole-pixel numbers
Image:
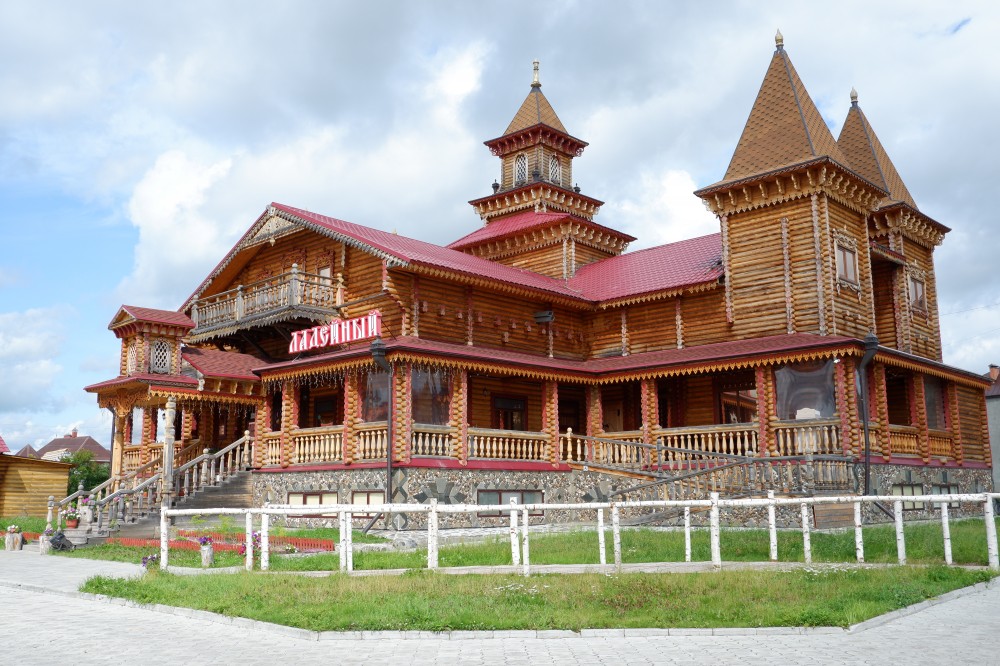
[
  {"x": 483, "y": 389},
  {"x": 972, "y": 419},
  {"x": 26, "y": 484}
]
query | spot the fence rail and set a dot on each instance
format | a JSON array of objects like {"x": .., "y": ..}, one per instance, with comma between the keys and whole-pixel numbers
[{"x": 520, "y": 551}]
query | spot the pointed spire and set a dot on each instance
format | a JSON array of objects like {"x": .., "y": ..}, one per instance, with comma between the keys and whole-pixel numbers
[
  {"x": 779, "y": 40},
  {"x": 784, "y": 126},
  {"x": 867, "y": 155},
  {"x": 535, "y": 109}
]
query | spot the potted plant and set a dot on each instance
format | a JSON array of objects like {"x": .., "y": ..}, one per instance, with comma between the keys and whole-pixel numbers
[
  {"x": 72, "y": 517},
  {"x": 14, "y": 540},
  {"x": 207, "y": 551}
]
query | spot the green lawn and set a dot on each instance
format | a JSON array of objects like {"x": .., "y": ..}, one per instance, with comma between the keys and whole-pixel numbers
[{"x": 423, "y": 600}]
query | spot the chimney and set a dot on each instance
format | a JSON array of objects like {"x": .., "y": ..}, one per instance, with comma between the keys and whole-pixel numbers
[
  {"x": 994, "y": 371},
  {"x": 73, "y": 434}
]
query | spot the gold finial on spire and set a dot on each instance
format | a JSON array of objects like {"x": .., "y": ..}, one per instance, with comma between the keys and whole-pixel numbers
[
  {"x": 779, "y": 40},
  {"x": 854, "y": 96},
  {"x": 534, "y": 81}
]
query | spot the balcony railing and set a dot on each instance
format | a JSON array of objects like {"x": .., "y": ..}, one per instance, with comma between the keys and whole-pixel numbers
[{"x": 246, "y": 303}]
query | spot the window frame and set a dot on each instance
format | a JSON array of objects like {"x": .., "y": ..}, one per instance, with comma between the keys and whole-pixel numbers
[
  {"x": 520, "y": 169},
  {"x": 847, "y": 271},
  {"x": 946, "y": 488},
  {"x": 495, "y": 422},
  {"x": 914, "y": 488},
  {"x": 917, "y": 291},
  {"x": 509, "y": 492},
  {"x": 368, "y": 493},
  {"x": 312, "y": 493},
  {"x": 555, "y": 169}
]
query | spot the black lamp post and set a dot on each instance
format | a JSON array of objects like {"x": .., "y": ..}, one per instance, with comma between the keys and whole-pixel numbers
[
  {"x": 871, "y": 346},
  {"x": 378, "y": 355}
]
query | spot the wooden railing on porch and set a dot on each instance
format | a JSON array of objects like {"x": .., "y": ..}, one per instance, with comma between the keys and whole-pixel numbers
[
  {"x": 737, "y": 439},
  {"x": 815, "y": 436},
  {"x": 432, "y": 441},
  {"x": 312, "y": 445},
  {"x": 490, "y": 444},
  {"x": 904, "y": 440}
]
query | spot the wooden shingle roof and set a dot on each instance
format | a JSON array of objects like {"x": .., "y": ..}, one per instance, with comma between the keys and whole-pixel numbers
[
  {"x": 535, "y": 109},
  {"x": 868, "y": 157},
  {"x": 784, "y": 126}
]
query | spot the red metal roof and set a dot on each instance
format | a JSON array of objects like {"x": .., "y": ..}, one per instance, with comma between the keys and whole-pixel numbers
[
  {"x": 146, "y": 378},
  {"x": 754, "y": 347},
  {"x": 511, "y": 225},
  {"x": 662, "y": 268},
  {"x": 155, "y": 316},
  {"x": 223, "y": 364},
  {"x": 409, "y": 250},
  {"x": 3, "y": 446}
]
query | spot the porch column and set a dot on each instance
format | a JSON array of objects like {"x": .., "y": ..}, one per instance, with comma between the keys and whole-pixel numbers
[
  {"x": 595, "y": 415},
  {"x": 459, "y": 421},
  {"x": 352, "y": 411},
  {"x": 148, "y": 434},
  {"x": 118, "y": 458},
  {"x": 853, "y": 408},
  {"x": 402, "y": 412},
  {"x": 550, "y": 417},
  {"x": 289, "y": 421},
  {"x": 262, "y": 420},
  {"x": 763, "y": 384},
  {"x": 231, "y": 434},
  {"x": 649, "y": 405},
  {"x": 843, "y": 396},
  {"x": 187, "y": 425},
  {"x": 920, "y": 412},
  {"x": 955, "y": 423},
  {"x": 882, "y": 409}
]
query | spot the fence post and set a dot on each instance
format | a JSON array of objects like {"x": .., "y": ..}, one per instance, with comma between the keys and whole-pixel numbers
[
  {"x": 946, "y": 533},
  {"x": 525, "y": 545},
  {"x": 714, "y": 532},
  {"x": 616, "y": 535},
  {"x": 432, "y": 536},
  {"x": 859, "y": 539},
  {"x": 515, "y": 545},
  {"x": 164, "y": 539},
  {"x": 602, "y": 555},
  {"x": 343, "y": 540},
  {"x": 806, "y": 539},
  {"x": 48, "y": 514},
  {"x": 249, "y": 541},
  {"x": 349, "y": 519},
  {"x": 265, "y": 551},
  {"x": 772, "y": 527},
  {"x": 897, "y": 512},
  {"x": 687, "y": 534},
  {"x": 991, "y": 534}
]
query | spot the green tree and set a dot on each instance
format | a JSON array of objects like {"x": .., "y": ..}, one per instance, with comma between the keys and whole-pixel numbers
[{"x": 86, "y": 470}]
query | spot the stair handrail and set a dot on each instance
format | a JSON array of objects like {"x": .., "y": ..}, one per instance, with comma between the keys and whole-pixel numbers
[
  {"x": 200, "y": 471},
  {"x": 127, "y": 510}
]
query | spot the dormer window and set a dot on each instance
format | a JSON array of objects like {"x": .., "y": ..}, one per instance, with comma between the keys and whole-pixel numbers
[
  {"x": 918, "y": 297},
  {"x": 555, "y": 170},
  {"x": 520, "y": 169},
  {"x": 159, "y": 361}
]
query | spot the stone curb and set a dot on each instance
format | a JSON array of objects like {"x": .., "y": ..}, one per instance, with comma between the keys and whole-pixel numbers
[{"x": 308, "y": 635}]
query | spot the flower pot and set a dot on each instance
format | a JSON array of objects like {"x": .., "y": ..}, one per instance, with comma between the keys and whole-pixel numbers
[
  {"x": 207, "y": 555},
  {"x": 13, "y": 541},
  {"x": 72, "y": 522}
]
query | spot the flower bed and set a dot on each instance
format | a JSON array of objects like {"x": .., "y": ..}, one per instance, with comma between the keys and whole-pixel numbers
[{"x": 302, "y": 544}]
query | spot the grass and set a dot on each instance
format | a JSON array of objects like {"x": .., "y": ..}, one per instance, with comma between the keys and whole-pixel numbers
[
  {"x": 26, "y": 523},
  {"x": 229, "y": 527},
  {"x": 422, "y": 600}
]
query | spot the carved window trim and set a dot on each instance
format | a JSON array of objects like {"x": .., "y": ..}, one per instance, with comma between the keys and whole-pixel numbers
[
  {"x": 916, "y": 289},
  {"x": 846, "y": 261},
  {"x": 132, "y": 357}
]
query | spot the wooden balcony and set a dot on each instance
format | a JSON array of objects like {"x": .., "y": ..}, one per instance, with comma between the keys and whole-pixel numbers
[{"x": 288, "y": 296}]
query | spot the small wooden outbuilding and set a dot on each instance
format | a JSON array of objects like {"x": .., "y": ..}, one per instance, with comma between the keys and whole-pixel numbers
[{"x": 27, "y": 483}]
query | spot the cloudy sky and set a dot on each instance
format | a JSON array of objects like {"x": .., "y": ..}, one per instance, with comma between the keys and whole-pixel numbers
[{"x": 138, "y": 140}]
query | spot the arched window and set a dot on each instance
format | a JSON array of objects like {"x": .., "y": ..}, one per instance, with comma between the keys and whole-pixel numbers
[
  {"x": 555, "y": 170},
  {"x": 520, "y": 169}
]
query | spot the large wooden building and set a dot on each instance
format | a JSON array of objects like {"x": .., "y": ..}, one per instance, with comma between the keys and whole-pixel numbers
[{"x": 534, "y": 358}]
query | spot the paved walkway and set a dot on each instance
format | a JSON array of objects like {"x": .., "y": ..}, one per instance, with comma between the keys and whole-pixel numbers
[{"x": 43, "y": 621}]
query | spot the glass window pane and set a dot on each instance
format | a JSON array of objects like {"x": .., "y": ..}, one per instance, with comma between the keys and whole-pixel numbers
[{"x": 806, "y": 391}]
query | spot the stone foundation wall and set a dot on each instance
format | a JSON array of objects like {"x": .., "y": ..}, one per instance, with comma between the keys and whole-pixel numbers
[{"x": 462, "y": 486}]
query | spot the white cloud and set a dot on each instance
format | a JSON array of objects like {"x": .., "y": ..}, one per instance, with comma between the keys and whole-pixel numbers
[
  {"x": 662, "y": 210},
  {"x": 30, "y": 342}
]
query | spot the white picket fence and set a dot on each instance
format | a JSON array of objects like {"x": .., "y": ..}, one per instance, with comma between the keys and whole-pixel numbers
[{"x": 520, "y": 533}]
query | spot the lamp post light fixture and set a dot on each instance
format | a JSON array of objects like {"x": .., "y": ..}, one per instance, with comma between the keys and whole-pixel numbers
[
  {"x": 378, "y": 355},
  {"x": 871, "y": 346}
]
